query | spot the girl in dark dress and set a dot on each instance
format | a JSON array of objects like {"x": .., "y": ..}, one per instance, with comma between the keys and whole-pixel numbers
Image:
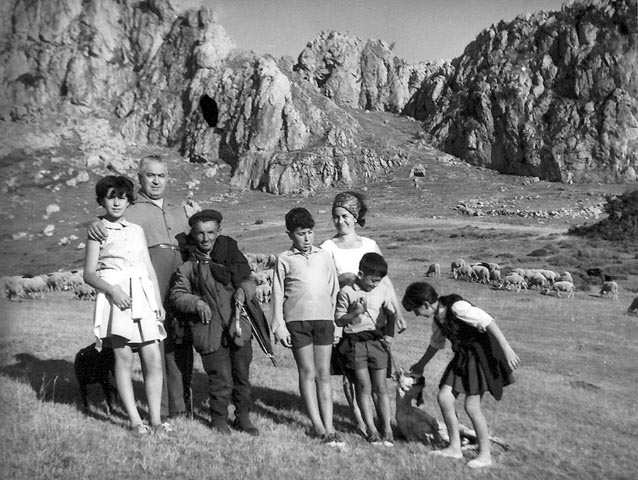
[{"x": 483, "y": 361}]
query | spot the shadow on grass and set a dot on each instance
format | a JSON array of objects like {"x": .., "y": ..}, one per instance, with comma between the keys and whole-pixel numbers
[
  {"x": 282, "y": 407},
  {"x": 54, "y": 381}
]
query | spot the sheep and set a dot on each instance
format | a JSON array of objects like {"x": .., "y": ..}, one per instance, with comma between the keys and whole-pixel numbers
[
  {"x": 34, "y": 287},
  {"x": 481, "y": 274},
  {"x": 519, "y": 271},
  {"x": 56, "y": 281},
  {"x": 263, "y": 293},
  {"x": 435, "y": 269},
  {"x": 12, "y": 288},
  {"x": 513, "y": 279},
  {"x": 549, "y": 275},
  {"x": 634, "y": 306},
  {"x": 563, "y": 286},
  {"x": 537, "y": 280},
  {"x": 495, "y": 276},
  {"x": 75, "y": 279},
  {"x": 565, "y": 277},
  {"x": 263, "y": 277},
  {"x": 455, "y": 265},
  {"x": 463, "y": 271},
  {"x": 609, "y": 289},
  {"x": 93, "y": 366},
  {"x": 596, "y": 272},
  {"x": 84, "y": 292}
]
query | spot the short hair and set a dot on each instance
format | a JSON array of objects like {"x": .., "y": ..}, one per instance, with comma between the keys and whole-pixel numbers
[
  {"x": 208, "y": 215},
  {"x": 373, "y": 264},
  {"x": 118, "y": 185},
  {"x": 148, "y": 159},
  {"x": 299, "y": 217},
  {"x": 417, "y": 294}
]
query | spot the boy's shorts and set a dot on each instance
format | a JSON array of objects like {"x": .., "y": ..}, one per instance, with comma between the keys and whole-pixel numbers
[
  {"x": 360, "y": 354},
  {"x": 311, "y": 332}
]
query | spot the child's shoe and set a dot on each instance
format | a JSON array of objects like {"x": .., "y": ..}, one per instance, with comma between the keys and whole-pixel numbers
[
  {"x": 332, "y": 440},
  {"x": 374, "y": 439},
  {"x": 141, "y": 429},
  {"x": 163, "y": 428},
  {"x": 243, "y": 424},
  {"x": 388, "y": 440}
]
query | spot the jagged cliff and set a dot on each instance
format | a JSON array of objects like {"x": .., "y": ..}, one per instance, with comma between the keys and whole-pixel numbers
[
  {"x": 553, "y": 95},
  {"x": 174, "y": 79}
]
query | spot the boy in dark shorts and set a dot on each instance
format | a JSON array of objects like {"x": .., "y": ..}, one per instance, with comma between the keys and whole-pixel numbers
[
  {"x": 364, "y": 310},
  {"x": 304, "y": 292}
]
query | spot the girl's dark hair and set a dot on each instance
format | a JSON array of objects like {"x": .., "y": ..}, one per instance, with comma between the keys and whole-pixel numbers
[
  {"x": 299, "y": 217},
  {"x": 417, "y": 294},
  {"x": 373, "y": 264},
  {"x": 117, "y": 185}
]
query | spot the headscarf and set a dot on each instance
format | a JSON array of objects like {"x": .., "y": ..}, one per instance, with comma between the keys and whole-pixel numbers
[{"x": 354, "y": 203}]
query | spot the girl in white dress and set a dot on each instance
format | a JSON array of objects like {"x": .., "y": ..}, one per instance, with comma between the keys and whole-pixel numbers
[
  {"x": 347, "y": 247},
  {"x": 128, "y": 310}
]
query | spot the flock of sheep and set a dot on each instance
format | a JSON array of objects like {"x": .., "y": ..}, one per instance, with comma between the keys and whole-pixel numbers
[
  {"x": 16, "y": 288},
  {"x": 547, "y": 281}
]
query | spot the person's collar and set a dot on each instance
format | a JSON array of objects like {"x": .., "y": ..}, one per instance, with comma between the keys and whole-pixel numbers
[
  {"x": 295, "y": 251},
  {"x": 143, "y": 198},
  {"x": 118, "y": 225}
]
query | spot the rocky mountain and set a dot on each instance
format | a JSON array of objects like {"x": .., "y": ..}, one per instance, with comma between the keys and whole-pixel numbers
[
  {"x": 169, "y": 79},
  {"x": 551, "y": 95}
]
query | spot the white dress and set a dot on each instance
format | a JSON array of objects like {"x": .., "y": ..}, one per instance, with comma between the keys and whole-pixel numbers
[
  {"x": 122, "y": 262},
  {"x": 347, "y": 259}
]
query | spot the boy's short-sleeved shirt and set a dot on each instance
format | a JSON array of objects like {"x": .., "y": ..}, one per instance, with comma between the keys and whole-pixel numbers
[
  {"x": 465, "y": 312},
  {"x": 377, "y": 301}
]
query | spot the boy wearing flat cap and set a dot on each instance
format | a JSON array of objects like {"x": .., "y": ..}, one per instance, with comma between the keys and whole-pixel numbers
[{"x": 211, "y": 287}]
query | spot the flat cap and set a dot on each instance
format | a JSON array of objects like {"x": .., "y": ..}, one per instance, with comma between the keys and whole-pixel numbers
[{"x": 208, "y": 215}]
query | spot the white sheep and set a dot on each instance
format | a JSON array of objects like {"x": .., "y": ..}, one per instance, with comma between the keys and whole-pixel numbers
[
  {"x": 565, "y": 277},
  {"x": 434, "y": 269},
  {"x": 519, "y": 271},
  {"x": 549, "y": 275},
  {"x": 565, "y": 287},
  {"x": 84, "y": 292},
  {"x": 75, "y": 279},
  {"x": 12, "y": 287},
  {"x": 609, "y": 289},
  {"x": 495, "y": 276},
  {"x": 463, "y": 272},
  {"x": 34, "y": 287},
  {"x": 514, "y": 279},
  {"x": 537, "y": 280},
  {"x": 263, "y": 277},
  {"x": 263, "y": 293},
  {"x": 480, "y": 274},
  {"x": 56, "y": 281}
]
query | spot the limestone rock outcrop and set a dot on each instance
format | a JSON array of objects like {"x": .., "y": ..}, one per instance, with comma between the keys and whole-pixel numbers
[
  {"x": 553, "y": 95},
  {"x": 176, "y": 79}
]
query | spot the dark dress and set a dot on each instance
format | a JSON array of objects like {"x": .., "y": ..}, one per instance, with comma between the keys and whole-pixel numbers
[{"x": 479, "y": 363}]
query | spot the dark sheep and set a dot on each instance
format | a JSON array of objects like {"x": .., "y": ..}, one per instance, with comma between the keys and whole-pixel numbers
[
  {"x": 91, "y": 367},
  {"x": 596, "y": 272}
]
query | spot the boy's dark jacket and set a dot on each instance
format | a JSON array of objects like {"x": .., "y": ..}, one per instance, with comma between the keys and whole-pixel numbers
[{"x": 214, "y": 279}]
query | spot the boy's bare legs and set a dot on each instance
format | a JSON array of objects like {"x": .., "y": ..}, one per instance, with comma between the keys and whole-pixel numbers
[
  {"x": 324, "y": 385},
  {"x": 124, "y": 381},
  {"x": 305, "y": 359},
  {"x": 446, "y": 402},
  {"x": 380, "y": 389},
  {"x": 153, "y": 380},
  {"x": 349, "y": 392},
  {"x": 363, "y": 390},
  {"x": 473, "y": 409}
]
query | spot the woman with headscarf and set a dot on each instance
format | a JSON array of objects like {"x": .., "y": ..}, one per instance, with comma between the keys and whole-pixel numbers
[{"x": 347, "y": 247}]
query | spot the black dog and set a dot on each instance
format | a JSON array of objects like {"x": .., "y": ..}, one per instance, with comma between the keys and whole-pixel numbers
[{"x": 92, "y": 366}]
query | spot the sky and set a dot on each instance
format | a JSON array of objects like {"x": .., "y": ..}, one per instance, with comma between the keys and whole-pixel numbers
[{"x": 421, "y": 29}]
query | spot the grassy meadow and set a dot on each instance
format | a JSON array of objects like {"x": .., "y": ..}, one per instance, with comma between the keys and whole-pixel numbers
[{"x": 571, "y": 414}]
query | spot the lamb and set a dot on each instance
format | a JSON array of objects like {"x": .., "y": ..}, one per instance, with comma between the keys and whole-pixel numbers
[
  {"x": 92, "y": 366},
  {"x": 12, "y": 288},
  {"x": 609, "y": 289},
  {"x": 549, "y": 275},
  {"x": 34, "y": 287},
  {"x": 263, "y": 277},
  {"x": 463, "y": 271},
  {"x": 433, "y": 269},
  {"x": 513, "y": 279},
  {"x": 263, "y": 293},
  {"x": 415, "y": 424},
  {"x": 563, "y": 286},
  {"x": 634, "y": 306}
]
